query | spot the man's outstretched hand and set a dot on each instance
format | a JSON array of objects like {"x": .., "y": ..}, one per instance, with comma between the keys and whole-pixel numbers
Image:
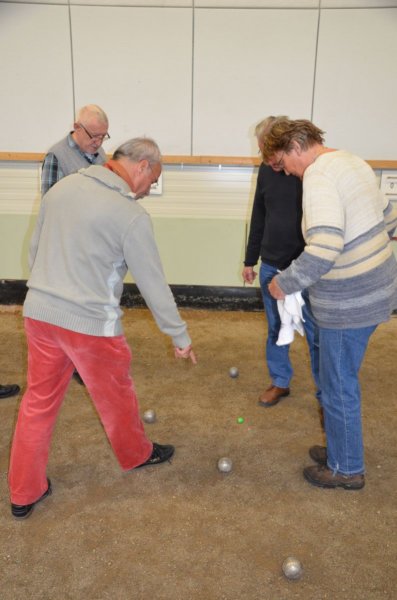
[{"x": 186, "y": 353}]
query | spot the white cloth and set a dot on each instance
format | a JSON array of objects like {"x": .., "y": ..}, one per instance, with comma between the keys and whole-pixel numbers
[{"x": 290, "y": 311}]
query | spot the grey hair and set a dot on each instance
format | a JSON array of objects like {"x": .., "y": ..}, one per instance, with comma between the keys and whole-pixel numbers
[
  {"x": 141, "y": 148},
  {"x": 264, "y": 126},
  {"x": 91, "y": 111}
]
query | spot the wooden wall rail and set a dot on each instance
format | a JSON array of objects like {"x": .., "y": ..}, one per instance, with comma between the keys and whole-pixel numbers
[
  {"x": 246, "y": 161},
  {"x": 168, "y": 160}
]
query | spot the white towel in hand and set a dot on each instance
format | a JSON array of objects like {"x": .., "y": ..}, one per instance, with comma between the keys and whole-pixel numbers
[{"x": 290, "y": 311}]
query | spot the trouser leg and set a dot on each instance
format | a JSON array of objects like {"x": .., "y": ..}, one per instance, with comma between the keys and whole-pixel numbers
[
  {"x": 341, "y": 355},
  {"x": 104, "y": 364},
  {"x": 312, "y": 337},
  {"x": 49, "y": 372},
  {"x": 277, "y": 357}
]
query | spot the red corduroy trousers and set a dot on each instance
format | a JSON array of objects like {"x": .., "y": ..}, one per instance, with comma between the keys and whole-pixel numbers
[{"x": 104, "y": 364}]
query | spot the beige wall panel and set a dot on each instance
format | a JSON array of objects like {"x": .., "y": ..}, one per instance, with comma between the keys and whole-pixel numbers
[
  {"x": 225, "y": 3},
  {"x": 112, "y": 3},
  {"x": 35, "y": 74},
  {"x": 60, "y": 2},
  {"x": 356, "y": 84},
  {"x": 256, "y": 3},
  {"x": 249, "y": 64},
  {"x": 358, "y": 3},
  {"x": 137, "y": 3},
  {"x": 140, "y": 72}
]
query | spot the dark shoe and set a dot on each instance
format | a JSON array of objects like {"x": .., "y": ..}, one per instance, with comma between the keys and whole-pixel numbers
[
  {"x": 77, "y": 377},
  {"x": 9, "y": 390},
  {"x": 323, "y": 477},
  {"x": 23, "y": 511},
  {"x": 272, "y": 396},
  {"x": 319, "y": 454},
  {"x": 159, "y": 454}
]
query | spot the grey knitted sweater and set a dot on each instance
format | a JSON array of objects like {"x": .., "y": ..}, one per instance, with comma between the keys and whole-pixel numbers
[{"x": 89, "y": 232}]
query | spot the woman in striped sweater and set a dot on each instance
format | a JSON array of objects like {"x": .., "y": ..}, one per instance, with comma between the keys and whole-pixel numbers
[{"x": 350, "y": 270}]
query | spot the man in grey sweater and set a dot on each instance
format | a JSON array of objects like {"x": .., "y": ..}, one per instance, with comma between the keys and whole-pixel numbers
[
  {"x": 81, "y": 148},
  {"x": 89, "y": 232}
]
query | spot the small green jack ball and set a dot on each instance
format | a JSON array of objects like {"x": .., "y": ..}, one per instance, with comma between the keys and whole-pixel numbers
[{"x": 240, "y": 420}]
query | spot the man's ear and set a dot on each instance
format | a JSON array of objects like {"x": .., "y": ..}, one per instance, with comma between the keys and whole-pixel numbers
[{"x": 143, "y": 165}]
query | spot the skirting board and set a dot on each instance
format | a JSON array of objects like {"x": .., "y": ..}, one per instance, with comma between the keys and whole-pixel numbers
[{"x": 13, "y": 292}]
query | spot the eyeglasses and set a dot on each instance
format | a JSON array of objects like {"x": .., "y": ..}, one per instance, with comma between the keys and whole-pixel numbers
[
  {"x": 99, "y": 136},
  {"x": 152, "y": 175}
]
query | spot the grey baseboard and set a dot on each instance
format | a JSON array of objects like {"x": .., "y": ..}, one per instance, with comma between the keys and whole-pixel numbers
[{"x": 186, "y": 296}]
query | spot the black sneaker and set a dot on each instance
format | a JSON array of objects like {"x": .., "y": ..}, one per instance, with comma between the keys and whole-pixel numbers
[
  {"x": 159, "y": 455},
  {"x": 6, "y": 391},
  {"x": 23, "y": 511}
]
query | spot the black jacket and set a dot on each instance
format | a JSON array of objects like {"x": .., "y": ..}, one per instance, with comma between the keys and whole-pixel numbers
[{"x": 275, "y": 231}]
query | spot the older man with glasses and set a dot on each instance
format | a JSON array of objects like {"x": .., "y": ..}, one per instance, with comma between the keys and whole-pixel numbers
[{"x": 79, "y": 149}]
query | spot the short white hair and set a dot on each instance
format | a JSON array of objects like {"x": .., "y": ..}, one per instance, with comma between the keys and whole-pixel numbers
[{"x": 90, "y": 111}]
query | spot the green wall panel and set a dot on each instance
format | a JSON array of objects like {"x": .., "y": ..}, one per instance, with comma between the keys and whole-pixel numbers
[
  {"x": 193, "y": 251},
  {"x": 201, "y": 251},
  {"x": 15, "y": 234}
]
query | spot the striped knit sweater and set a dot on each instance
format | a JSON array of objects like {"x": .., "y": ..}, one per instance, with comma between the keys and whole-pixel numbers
[{"x": 348, "y": 263}]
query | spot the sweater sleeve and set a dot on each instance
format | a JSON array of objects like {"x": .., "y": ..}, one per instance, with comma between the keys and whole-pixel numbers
[
  {"x": 51, "y": 173},
  {"x": 390, "y": 217},
  {"x": 324, "y": 224},
  {"x": 257, "y": 225},
  {"x": 143, "y": 260}
]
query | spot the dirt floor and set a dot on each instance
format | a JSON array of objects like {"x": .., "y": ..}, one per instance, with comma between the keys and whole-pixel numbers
[{"x": 185, "y": 531}]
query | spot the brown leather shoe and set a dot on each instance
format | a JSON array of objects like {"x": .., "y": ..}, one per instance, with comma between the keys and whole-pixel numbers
[
  {"x": 272, "y": 396},
  {"x": 323, "y": 477},
  {"x": 318, "y": 454}
]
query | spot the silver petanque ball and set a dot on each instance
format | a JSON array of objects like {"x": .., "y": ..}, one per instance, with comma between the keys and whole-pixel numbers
[
  {"x": 225, "y": 464},
  {"x": 233, "y": 372},
  {"x": 149, "y": 416},
  {"x": 292, "y": 568}
]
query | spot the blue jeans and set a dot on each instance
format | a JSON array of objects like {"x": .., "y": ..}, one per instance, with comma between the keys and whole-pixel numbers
[
  {"x": 277, "y": 357},
  {"x": 341, "y": 354}
]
